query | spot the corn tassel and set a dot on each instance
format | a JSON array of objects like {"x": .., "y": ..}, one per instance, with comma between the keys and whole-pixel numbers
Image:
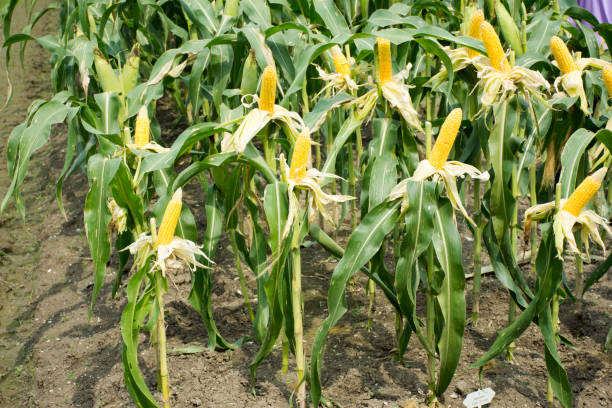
[
  {"x": 141, "y": 134},
  {"x": 170, "y": 219},
  {"x": 494, "y": 48},
  {"x": 474, "y": 32},
  {"x": 300, "y": 158},
  {"x": 384, "y": 60},
  {"x": 340, "y": 62},
  {"x": 584, "y": 192},
  {"x": 268, "y": 89},
  {"x": 446, "y": 138},
  {"x": 606, "y": 72},
  {"x": 562, "y": 55}
]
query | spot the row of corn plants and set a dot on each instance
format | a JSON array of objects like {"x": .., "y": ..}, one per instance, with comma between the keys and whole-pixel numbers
[{"x": 297, "y": 117}]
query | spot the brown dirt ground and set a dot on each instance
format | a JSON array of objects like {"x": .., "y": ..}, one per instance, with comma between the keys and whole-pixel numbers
[{"x": 53, "y": 357}]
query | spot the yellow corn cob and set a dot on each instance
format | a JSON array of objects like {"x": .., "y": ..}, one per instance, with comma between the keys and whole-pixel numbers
[
  {"x": 474, "y": 32},
  {"x": 562, "y": 55},
  {"x": 446, "y": 138},
  {"x": 268, "y": 89},
  {"x": 141, "y": 134},
  {"x": 584, "y": 192},
  {"x": 170, "y": 219},
  {"x": 340, "y": 62},
  {"x": 607, "y": 78},
  {"x": 494, "y": 48},
  {"x": 384, "y": 59},
  {"x": 301, "y": 155}
]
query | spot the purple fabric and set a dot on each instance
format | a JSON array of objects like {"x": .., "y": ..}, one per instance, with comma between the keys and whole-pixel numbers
[{"x": 602, "y": 9}]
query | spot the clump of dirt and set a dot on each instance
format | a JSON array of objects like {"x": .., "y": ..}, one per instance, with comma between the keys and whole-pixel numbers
[{"x": 53, "y": 356}]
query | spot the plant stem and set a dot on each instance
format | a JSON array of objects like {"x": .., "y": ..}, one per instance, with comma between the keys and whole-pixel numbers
[
  {"x": 371, "y": 290},
  {"x": 161, "y": 339},
  {"x": 534, "y": 224},
  {"x": 298, "y": 332},
  {"x": 431, "y": 319},
  {"x": 579, "y": 276},
  {"x": 555, "y": 323},
  {"x": 514, "y": 243},
  {"x": 359, "y": 147},
  {"x": 285, "y": 342},
  {"x": 352, "y": 184},
  {"x": 243, "y": 286},
  {"x": 268, "y": 148},
  {"x": 477, "y": 260}
]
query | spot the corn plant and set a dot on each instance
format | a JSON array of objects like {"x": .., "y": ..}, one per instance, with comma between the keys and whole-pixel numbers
[{"x": 518, "y": 94}]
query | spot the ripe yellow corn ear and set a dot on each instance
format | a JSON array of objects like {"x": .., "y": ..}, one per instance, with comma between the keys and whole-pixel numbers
[
  {"x": 170, "y": 219},
  {"x": 446, "y": 138},
  {"x": 301, "y": 156},
  {"x": 384, "y": 60},
  {"x": 474, "y": 32},
  {"x": 341, "y": 64},
  {"x": 562, "y": 55},
  {"x": 494, "y": 48},
  {"x": 606, "y": 72},
  {"x": 584, "y": 192},
  {"x": 268, "y": 89},
  {"x": 143, "y": 128}
]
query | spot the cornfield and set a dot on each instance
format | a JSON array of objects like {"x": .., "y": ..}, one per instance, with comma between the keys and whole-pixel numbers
[{"x": 419, "y": 144}]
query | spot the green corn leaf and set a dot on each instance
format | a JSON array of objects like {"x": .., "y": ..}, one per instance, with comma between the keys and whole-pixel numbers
[
  {"x": 505, "y": 272},
  {"x": 422, "y": 198},
  {"x": 222, "y": 58},
  {"x": 550, "y": 270},
  {"x": 384, "y": 137},
  {"x": 25, "y": 141},
  {"x": 309, "y": 54},
  {"x": 186, "y": 140},
  {"x": 201, "y": 279},
  {"x": 447, "y": 244},
  {"x": 598, "y": 273},
  {"x": 258, "y": 12},
  {"x": 540, "y": 28},
  {"x": 383, "y": 177},
  {"x": 202, "y": 14},
  {"x": 502, "y": 159},
  {"x": 363, "y": 244},
  {"x": 109, "y": 105},
  {"x": 214, "y": 160},
  {"x": 195, "y": 89},
  {"x": 100, "y": 171},
  {"x": 331, "y": 16},
  {"x": 605, "y": 137},
  {"x": 556, "y": 373},
  {"x": 317, "y": 116},
  {"x": 336, "y": 250},
  {"x": 572, "y": 155},
  {"x": 276, "y": 208},
  {"x": 129, "y": 333},
  {"x": 124, "y": 195}
]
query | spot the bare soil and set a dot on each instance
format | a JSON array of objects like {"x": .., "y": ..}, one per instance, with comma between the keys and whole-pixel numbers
[{"x": 52, "y": 356}]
